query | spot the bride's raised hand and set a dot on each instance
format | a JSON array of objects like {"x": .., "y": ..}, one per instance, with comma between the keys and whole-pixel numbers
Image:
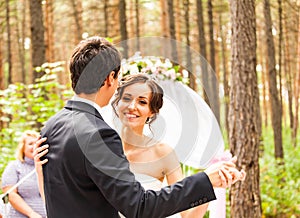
[
  {"x": 238, "y": 175},
  {"x": 224, "y": 173}
]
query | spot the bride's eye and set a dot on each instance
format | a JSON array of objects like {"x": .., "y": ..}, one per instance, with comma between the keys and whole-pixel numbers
[
  {"x": 143, "y": 102},
  {"x": 126, "y": 99}
]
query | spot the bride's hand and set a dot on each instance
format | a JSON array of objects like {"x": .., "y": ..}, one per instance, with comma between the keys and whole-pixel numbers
[
  {"x": 220, "y": 173},
  {"x": 38, "y": 152},
  {"x": 224, "y": 173},
  {"x": 238, "y": 175}
]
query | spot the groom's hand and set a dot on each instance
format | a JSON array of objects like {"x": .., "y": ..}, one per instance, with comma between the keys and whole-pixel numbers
[{"x": 223, "y": 174}]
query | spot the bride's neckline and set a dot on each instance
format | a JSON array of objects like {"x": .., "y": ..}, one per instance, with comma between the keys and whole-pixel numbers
[
  {"x": 142, "y": 142},
  {"x": 130, "y": 138}
]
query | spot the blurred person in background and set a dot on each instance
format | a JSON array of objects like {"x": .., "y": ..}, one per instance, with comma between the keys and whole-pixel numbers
[{"x": 25, "y": 200}]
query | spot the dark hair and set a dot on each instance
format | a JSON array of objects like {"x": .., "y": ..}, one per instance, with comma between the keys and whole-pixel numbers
[
  {"x": 157, "y": 93},
  {"x": 92, "y": 61}
]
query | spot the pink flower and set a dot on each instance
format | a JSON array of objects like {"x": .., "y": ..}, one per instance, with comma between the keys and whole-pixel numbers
[{"x": 224, "y": 156}]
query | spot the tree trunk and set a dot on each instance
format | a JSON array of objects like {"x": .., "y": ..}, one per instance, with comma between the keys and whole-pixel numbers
[
  {"x": 178, "y": 13},
  {"x": 164, "y": 18},
  {"x": 189, "y": 65},
  {"x": 215, "y": 104},
  {"x": 49, "y": 32},
  {"x": 288, "y": 76},
  {"x": 9, "y": 62},
  {"x": 244, "y": 110},
  {"x": 123, "y": 29},
  {"x": 164, "y": 25},
  {"x": 297, "y": 91},
  {"x": 37, "y": 37},
  {"x": 137, "y": 25},
  {"x": 106, "y": 20},
  {"x": 1, "y": 80},
  {"x": 178, "y": 21},
  {"x": 114, "y": 19},
  {"x": 18, "y": 55},
  {"x": 21, "y": 36},
  {"x": 225, "y": 72},
  {"x": 211, "y": 34},
  {"x": 172, "y": 30},
  {"x": 1, "y": 67},
  {"x": 264, "y": 81},
  {"x": 77, "y": 12},
  {"x": 276, "y": 112},
  {"x": 15, "y": 43},
  {"x": 202, "y": 45},
  {"x": 280, "y": 53},
  {"x": 131, "y": 21}
]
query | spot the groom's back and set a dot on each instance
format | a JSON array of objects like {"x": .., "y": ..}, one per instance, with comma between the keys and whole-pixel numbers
[{"x": 69, "y": 191}]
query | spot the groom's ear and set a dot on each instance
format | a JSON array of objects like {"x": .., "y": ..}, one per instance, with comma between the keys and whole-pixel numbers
[{"x": 110, "y": 79}]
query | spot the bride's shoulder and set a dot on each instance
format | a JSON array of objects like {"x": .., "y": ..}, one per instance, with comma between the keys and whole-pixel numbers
[{"x": 163, "y": 148}]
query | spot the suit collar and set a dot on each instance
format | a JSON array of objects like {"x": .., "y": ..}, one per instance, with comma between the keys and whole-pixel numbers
[
  {"x": 94, "y": 104},
  {"x": 82, "y": 106}
]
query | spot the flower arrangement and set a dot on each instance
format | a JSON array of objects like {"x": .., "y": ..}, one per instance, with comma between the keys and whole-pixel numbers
[{"x": 162, "y": 69}]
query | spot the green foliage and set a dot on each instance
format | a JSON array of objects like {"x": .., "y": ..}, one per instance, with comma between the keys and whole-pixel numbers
[
  {"x": 26, "y": 107},
  {"x": 280, "y": 183}
]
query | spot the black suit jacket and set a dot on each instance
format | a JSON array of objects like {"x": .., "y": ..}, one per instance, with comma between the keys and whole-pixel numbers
[{"x": 88, "y": 174}]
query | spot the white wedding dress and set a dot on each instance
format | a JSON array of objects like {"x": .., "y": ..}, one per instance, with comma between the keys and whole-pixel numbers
[{"x": 151, "y": 183}]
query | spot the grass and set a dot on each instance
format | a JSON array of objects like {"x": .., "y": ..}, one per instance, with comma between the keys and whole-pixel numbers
[{"x": 280, "y": 184}]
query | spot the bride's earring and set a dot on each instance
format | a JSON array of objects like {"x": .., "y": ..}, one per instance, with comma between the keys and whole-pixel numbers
[
  {"x": 150, "y": 119},
  {"x": 147, "y": 120}
]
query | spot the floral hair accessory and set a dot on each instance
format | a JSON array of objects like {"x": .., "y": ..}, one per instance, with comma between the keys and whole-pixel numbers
[{"x": 156, "y": 67}]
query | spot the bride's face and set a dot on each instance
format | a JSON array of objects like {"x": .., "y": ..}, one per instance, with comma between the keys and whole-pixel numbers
[{"x": 133, "y": 107}]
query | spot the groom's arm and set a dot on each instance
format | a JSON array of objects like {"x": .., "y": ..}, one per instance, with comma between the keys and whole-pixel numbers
[{"x": 109, "y": 169}]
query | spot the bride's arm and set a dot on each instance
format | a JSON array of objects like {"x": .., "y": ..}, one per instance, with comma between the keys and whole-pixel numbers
[
  {"x": 40, "y": 151},
  {"x": 174, "y": 174},
  {"x": 195, "y": 212}
]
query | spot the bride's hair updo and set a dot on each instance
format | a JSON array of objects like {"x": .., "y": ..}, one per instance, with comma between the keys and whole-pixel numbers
[{"x": 157, "y": 93}]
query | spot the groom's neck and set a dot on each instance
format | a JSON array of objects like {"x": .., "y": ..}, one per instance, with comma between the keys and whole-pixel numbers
[{"x": 92, "y": 97}]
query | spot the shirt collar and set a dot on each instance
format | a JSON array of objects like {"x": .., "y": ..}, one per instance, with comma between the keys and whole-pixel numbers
[{"x": 96, "y": 106}]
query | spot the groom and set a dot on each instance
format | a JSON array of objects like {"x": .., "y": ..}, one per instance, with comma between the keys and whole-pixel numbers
[{"x": 89, "y": 174}]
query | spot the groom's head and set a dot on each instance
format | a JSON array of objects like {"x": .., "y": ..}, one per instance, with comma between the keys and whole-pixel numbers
[{"x": 92, "y": 61}]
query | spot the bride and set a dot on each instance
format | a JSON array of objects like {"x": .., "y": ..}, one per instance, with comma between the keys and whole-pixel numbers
[{"x": 137, "y": 102}]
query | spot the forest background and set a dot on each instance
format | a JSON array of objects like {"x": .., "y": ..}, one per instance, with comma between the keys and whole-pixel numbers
[{"x": 252, "y": 47}]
